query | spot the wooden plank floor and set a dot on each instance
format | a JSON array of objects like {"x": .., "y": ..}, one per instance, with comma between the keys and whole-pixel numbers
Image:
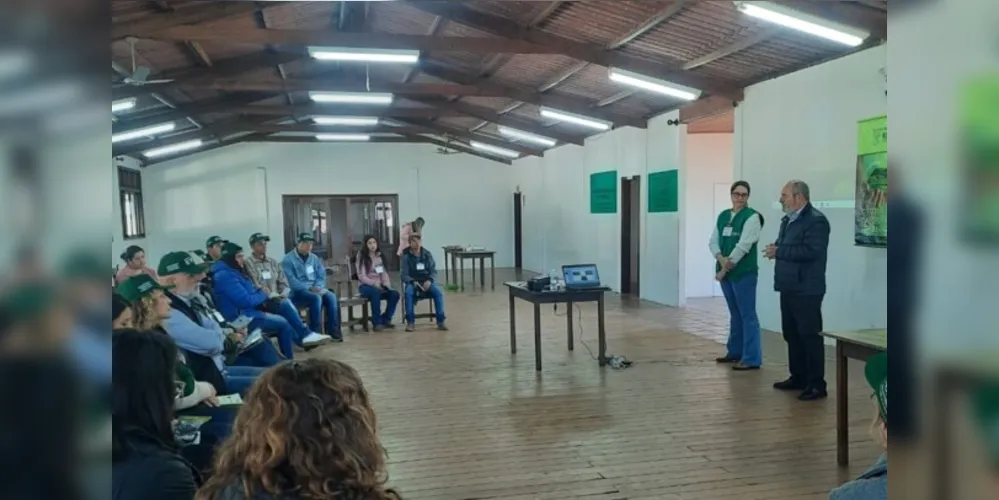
[{"x": 462, "y": 418}]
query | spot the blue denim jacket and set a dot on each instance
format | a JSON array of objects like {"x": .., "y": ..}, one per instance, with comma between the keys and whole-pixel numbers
[
  {"x": 296, "y": 270},
  {"x": 872, "y": 485}
]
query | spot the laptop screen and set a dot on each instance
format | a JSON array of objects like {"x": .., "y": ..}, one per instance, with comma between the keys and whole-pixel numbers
[{"x": 581, "y": 275}]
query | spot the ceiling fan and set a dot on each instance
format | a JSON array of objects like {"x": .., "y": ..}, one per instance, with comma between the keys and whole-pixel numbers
[{"x": 140, "y": 74}]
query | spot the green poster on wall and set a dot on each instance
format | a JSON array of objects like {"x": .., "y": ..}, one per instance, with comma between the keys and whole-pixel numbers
[
  {"x": 603, "y": 192},
  {"x": 871, "y": 212},
  {"x": 664, "y": 191}
]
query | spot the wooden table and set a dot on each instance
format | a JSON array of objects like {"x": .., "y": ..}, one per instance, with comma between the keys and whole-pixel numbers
[
  {"x": 860, "y": 345},
  {"x": 481, "y": 255},
  {"x": 449, "y": 256},
  {"x": 518, "y": 290}
]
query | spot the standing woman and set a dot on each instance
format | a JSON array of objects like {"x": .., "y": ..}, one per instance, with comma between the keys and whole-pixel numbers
[
  {"x": 375, "y": 283},
  {"x": 135, "y": 263},
  {"x": 415, "y": 227},
  {"x": 733, "y": 243}
]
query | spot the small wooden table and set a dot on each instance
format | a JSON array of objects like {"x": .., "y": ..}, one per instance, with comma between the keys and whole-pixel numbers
[
  {"x": 860, "y": 345},
  {"x": 518, "y": 290},
  {"x": 481, "y": 255},
  {"x": 449, "y": 256}
]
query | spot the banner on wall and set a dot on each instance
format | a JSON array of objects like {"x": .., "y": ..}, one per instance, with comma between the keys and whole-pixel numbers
[
  {"x": 871, "y": 212},
  {"x": 980, "y": 159},
  {"x": 603, "y": 192},
  {"x": 664, "y": 192}
]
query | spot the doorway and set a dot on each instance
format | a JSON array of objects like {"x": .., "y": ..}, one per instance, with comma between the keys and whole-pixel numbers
[
  {"x": 518, "y": 230},
  {"x": 340, "y": 223},
  {"x": 631, "y": 237}
]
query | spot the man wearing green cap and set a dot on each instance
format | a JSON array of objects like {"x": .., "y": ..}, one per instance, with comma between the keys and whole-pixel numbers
[
  {"x": 213, "y": 248},
  {"x": 307, "y": 278},
  {"x": 266, "y": 272},
  {"x": 873, "y": 483}
]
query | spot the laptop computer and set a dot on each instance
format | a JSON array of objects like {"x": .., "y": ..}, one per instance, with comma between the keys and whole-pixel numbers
[{"x": 581, "y": 276}]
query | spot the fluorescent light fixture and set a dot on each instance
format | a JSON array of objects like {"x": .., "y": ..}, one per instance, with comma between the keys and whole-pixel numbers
[
  {"x": 576, "y": 119},
  {"x": 143, "y": 132},
  {"x": 520, "y": 135},
  {"x": 358, "y": 121},
  {"x": 806, "y": 23},
  {"x": 654, "y": 85},
  {"x": 343, "y": 137},
  {"x": 122, "y": 105},
  {"x": 15, "y": 63},
  {"x": 365, "y": 55},
  {"x": 351, "y": 97},
  {"x": 488, "y": 148},
  {"x": 173, "y": 148}
]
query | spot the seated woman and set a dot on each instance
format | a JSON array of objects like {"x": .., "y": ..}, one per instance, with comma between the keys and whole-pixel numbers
[
  {"x": 135, "y": 263},
  {"x": 237, "y": 295},
  {"x": 873, "y": 484},
  {"x": 419, "y": 279},
  {"x": 375, "y": 284},
  {"x": 277, "y": 451},
  {"x": 145, "y": 457}
]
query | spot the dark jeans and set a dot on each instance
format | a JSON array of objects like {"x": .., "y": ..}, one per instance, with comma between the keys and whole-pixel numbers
[
  {"x": 315, "y": 302},
  {"x": 414, "y": 294},
  {"x": 239, "y": 379},
  {"x": 801, "y": 320},
  {"x": 374, "y": 296},
  {"x": 286, "y": 324},
  {"x": 262, "y": 355}
]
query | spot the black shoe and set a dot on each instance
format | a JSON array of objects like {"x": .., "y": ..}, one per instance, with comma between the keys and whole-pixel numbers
[
  {"x": 739, "y": 367},
  {"x": 726, "y": 359},
  {"x": 812, "y": 394},
  {"x": 338, "y": 340},
  {"x": 378, "y": 328},
  {"x": 390, "y": 326},
  {"x": 789, "y": 385},
  {"x": 308, "y": 348},
  {"x": 442, "y": 327}
]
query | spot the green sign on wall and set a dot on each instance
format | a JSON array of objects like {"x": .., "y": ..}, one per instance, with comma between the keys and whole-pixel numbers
[
  {"x": 603, "y": 192},
  {"x": 664, "y": 191}
]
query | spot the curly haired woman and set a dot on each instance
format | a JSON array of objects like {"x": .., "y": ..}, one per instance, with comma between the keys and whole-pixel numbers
[{"x": 306, "y": 431}]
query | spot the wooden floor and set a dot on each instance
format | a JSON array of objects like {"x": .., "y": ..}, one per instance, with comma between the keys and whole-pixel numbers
[{"x": 462, "y": 418}]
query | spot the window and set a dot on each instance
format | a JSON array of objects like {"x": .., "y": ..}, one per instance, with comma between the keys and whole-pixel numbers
[{"x": 133, "y": 219}]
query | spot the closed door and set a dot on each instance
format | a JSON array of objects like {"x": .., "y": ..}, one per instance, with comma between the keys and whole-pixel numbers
[{"x": 723, "y": 201}]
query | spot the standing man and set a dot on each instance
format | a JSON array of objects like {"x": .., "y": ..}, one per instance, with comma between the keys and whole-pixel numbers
[
  {"x": 800, "y": 277},
  {"x": 415, "y": 227},
  {"x": 307, "y": 279},
  {"x": 266, "y": 272},
  {"x": 733, "y": 243}
]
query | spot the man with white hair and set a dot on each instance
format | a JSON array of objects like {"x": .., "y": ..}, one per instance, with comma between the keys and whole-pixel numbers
[{"x": 800, "y": 253}]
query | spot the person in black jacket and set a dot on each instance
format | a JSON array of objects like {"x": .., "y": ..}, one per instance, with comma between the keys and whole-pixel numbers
[
  {"x": 801, "y": 251},
  {"x": 146, "y": 462}
]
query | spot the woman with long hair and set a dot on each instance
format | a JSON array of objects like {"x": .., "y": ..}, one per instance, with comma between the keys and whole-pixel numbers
[
  {"x": 135, "y": 263},
  {"x": 306, "y": 432},
  {"x": 236, "y": 294},
  {"x": 145, "y": 455},
  {"x": 375, "y": 283}
]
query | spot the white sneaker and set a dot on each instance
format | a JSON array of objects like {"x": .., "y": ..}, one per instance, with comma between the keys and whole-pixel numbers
[{"x": 316, "y": 339}]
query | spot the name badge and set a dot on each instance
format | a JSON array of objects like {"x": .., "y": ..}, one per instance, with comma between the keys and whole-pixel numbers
[
  {"x": 727, "y": 231},
  {"x": 265, "y": 275},
  {"x": 218, "y": 316},
  {"x": 420, "y": 266},
  {"x": 381, "y": 269},
  {"x": 310, "y": 272}
]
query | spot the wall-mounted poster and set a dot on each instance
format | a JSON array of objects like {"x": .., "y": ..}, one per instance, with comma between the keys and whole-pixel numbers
[
  {"x": 871, "y": 212},
  {"x": 603, "y": 192},
  {"x": 980, "y": 159},
  {"x": 664, "y": 191}
]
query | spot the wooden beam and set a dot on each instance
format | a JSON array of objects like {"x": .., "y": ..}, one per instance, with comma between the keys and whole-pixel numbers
[
  {"x": 375, "y": 139},
  {"x": 441, "y": 129},
  {"x": 504, "y": 27},
  {"x": 217, "y": 144},
  {"x": 704, "y": 108},
  {"x": 544, "y": 14},
  {"x": 435, "y": 27},
  {"x": 330, "y": 129},
  {"x": 204, "y": 12},
  {"x": 464, "y": 148},
  {"x": 185, "y": 110},
  {"x": 732, "y": 48},
  {"x": 199, "y": 54},
  {"x": 655, "y": 20},
  {"x": 342, "y": 110},
  {"x": 489, "y": 115},
  {"x": 328, "y": 85}
]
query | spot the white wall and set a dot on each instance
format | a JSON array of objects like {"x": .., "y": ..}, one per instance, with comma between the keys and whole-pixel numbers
[
  {"x": 559, "y": 228},
  {"x": 803, "y": 126},
  {"x": 236, "y": 191},
  {"x": 709, "y": 162}
]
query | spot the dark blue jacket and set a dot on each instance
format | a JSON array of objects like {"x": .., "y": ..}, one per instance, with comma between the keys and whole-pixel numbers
[
  {"x": 235, "y": 294},
  {"x": 802, "y": 249},
  {"x": 409, "y": 267}
]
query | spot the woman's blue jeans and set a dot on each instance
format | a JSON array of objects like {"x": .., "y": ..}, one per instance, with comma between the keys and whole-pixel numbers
[
  {"x": 374, "y": 296},
  {"x": 744, "y": 324}
]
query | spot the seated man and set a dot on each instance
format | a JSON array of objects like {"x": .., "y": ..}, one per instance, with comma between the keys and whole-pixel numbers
[
  {"x": 266, "y": 272},
  {"x": 419, "y": 274},
  {"x": 307, "y": 279},
  {"x": 213, "y": 249}
]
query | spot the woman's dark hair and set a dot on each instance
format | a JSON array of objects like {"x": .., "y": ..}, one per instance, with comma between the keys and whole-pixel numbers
[
  {"x": 131, "y": 252},
  {"x": 143, "y": 389},
  {"x": 118, "y": 306},
  {"x": 230, "y": 260},
  {"x": 366, "y": 255},
  {"x": 744, "y": 184}
]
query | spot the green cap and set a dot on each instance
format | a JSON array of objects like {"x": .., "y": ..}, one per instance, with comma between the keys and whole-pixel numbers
[
  {"x": 138, "y": 286},
  {"x": 876, "y": 373},
  {"x": 181, "y": 262},
  {"x": 230, "y": 249},
  {"x": 306, "y": 237},
  {"x": 986, "y": 411},
  {"x": 255, "y": 237},
  {"x": 214, "y": 240}
]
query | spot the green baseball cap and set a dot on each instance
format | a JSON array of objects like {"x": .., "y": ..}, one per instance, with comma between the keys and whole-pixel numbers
[
  {"x": 181, "y": 262},
  {"x": 214, "y": 240},
  {"x": 986, "y": 410},
  {"x": 230, "y": 249},
  {"x": 255, "y": 237},
  {"x": 876, "y": 373},
  {"x": 306, "y": 237},
  {"x": 138, "y": 286}
]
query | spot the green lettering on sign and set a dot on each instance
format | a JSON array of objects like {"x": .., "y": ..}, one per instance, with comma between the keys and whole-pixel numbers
[
  {"x": 603, "y": 192},
  {"x": 872, "y": 136},
  {"x": 664, "y": 192}
]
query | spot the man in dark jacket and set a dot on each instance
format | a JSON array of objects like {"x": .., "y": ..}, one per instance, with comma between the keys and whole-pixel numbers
[
  {"x": 800, "y": 277},
  {"x": 419, "y": 279}
]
